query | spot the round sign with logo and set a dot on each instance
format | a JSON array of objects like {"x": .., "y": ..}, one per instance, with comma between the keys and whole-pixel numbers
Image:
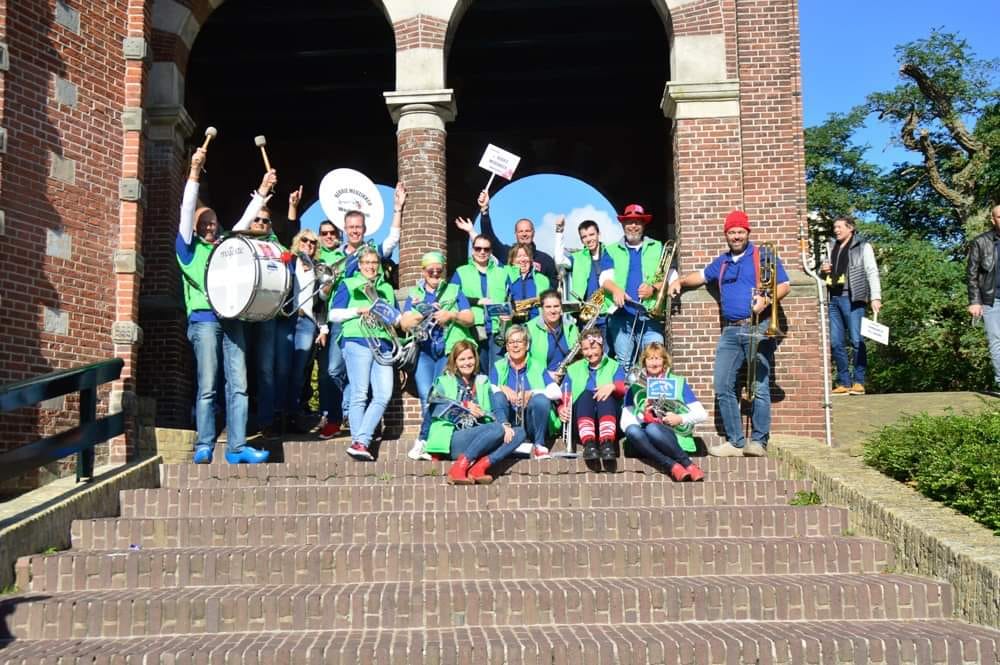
[{"x": 343, "y": 190}]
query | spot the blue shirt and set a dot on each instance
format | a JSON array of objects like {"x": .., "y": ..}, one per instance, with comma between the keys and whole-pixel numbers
[
  {"x": 436, "y": 340},
  {"x": 517, "y": 379},
  {"x": 632, "y": 281},
  {"x": 736, "y": 280},
  {"x": 523, "y": 288}
]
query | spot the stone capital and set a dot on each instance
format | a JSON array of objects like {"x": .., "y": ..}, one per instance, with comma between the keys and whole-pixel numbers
[
  {"x": 421, "y": 109},
  {"x": 708, "y": 99},
  {"x": 169, "y": 124}
]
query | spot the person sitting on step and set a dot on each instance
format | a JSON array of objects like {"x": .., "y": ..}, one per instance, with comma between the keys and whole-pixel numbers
[
  {"x": 462, "y": 425},
  {"x": 659, "y": 428}
]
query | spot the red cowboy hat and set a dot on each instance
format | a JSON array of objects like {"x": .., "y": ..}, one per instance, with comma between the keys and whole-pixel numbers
[{"x": 635, "y": 212}]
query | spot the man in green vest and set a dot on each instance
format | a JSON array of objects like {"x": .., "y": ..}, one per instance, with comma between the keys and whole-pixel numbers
[
  {"x": 584, "y": 265},
  {"x": 484, "y": 282},
  {"x": 629, "y": 273},
  {"x": 210, "y": 337}
]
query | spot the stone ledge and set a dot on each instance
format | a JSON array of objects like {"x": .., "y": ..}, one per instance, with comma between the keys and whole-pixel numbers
[
  {"x": 41, "y": 519},
  {"x": 930, "y": 539}
]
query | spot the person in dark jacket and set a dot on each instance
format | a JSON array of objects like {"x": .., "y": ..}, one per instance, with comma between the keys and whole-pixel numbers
[
  {"x": 852, "y": 281},
  {"x": 981, "y": 279}
]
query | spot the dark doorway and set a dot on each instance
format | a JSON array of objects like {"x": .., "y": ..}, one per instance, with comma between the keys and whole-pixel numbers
[
  {"x": 309, "y": 76},
  {"x": 573, "y": 87}
]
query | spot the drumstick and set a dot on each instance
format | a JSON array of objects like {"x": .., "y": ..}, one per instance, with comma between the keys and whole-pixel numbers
[
  {"x": 210, "y": 133},
  {"x": 261, "y": 142}
]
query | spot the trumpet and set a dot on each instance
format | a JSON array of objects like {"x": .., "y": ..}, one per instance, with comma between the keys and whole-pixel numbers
[
  {"x": 372, "y": 324},
  {"x": 661, "y": 308},
  {"x": 522, "y": 308},
  {"x": 592, "y": 307}
]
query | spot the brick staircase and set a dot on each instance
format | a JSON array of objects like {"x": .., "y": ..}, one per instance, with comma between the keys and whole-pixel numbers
[{"x": 320, "y": 559}]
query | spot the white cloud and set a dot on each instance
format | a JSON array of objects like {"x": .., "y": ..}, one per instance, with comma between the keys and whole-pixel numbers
[{"x": 611, "y": 230}]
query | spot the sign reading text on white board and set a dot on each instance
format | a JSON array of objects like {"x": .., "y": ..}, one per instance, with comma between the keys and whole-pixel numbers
[{"x": 499, "y": 162}]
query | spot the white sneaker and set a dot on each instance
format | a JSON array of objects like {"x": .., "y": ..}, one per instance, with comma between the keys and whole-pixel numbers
[
  {"x": 754, "y": 449},
  {"x": 525, "y": 448},
  {"x": 417, "y": 452},
  {"x": 725, "y": 450},
  {"x": 540, "y": 452}
]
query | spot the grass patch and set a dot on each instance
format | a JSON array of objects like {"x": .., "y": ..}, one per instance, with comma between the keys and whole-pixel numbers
[
  {"x": 804, "y": 498},
  {"x": 953, "y": 459}
]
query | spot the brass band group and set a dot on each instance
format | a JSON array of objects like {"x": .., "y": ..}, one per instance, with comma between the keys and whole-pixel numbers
[{"x": 514, "y": 351}]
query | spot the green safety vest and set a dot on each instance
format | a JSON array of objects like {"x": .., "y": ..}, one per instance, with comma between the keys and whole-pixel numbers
[
  {"x": 448, "y": 298},
  {"x": 579, "y": 371},
  {"x": 355, "y": 289},
  {"x": 441, "y": 431},
  {"x": 195, "y": 296},
  {"x": 538, "y": 334},
  {"x": 536, "y": 381},
  {"x": 329, "y": 256},
  {"x": 651, "y": 252},
  {"x": 583, "y": 263},
  {"x": 496, "y": 288},
  {"x": 638, "y": 393}
]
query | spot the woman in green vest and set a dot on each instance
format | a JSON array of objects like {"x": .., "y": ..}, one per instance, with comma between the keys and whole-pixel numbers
[
  {"x": 360, "y": 343},
  {"x": 665, "y": 439},
  {"x": 526, "y": 285},
  {"x": 595, "y": 384},
  {"x": 475, "y": 449}
]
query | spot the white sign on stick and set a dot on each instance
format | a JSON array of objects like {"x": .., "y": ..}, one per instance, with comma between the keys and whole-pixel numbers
[
  {"x": 499, "y": 162},
  {"x": 875, "y": 331}
]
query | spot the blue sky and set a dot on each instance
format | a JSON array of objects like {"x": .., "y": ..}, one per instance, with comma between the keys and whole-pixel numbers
[{"x": 847, "y": 52}]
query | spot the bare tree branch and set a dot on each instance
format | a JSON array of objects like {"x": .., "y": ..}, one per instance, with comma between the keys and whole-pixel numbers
[
  {"x": 943, "y": 109},
  {"x": 958, "y": 201}
]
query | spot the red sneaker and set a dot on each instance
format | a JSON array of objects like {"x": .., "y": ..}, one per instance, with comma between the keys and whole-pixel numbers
[
  {"x": 330, "y": 430},
  {"x": 360, "y": 452},
  {"x": 679, "y": 473},
  {"x": 695, "y": 474}
]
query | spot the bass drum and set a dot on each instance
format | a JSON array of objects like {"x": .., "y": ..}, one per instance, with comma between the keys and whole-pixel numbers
[{"x": 246, "y": 279}]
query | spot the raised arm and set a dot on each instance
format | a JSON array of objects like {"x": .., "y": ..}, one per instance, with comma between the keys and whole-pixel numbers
[
  {"x": 190, "y": 201},
  {"x": 398, "y": 201},
  {"x": 500, "y": 250},
  {"x": 257, "y": 201}
]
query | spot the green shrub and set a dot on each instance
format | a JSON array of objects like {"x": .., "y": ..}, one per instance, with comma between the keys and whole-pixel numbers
[{"x": 952, "y": 459}]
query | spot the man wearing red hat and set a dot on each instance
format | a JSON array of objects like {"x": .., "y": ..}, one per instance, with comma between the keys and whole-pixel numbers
[
  {"x": 735, "y": 273},
  {"x": 628, "y": 271}
]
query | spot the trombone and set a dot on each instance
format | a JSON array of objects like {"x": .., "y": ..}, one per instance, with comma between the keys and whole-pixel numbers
[{"x": 767, "y": 286}]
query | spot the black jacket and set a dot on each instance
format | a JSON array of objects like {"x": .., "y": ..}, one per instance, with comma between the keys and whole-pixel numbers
[
  {"x": 546, "y": 264},
  {"x": 981, "y": 268}
]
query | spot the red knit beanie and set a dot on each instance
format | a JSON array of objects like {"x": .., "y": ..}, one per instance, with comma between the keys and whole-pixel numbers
[{"x": 737, "y": 219}]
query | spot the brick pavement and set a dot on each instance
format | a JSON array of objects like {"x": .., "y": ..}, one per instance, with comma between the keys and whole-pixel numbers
[{"x": 320, "y": 559}]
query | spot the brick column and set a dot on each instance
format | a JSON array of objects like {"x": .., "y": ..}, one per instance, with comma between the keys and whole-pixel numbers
[{"x": 420, "y": 117}]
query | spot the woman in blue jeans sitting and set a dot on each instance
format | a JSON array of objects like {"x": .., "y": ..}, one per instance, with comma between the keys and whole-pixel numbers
[
  {"x": 360, "y": 342},
  {"x": 478, "y": 447},
  {"x": 664, "y": 437}
]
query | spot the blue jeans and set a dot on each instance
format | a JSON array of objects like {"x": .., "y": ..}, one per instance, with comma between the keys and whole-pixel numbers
[
  {"x": 333, "y": 396},
  {"x": 536, "y": 415},
  {"x": 272, "y": 341},
  {"x": 302, "y": 344},
  {"x": 620, "y": 332},
  {"x": 428, "y": 368},
  {"x": 657, "y": 442},
  {"x": 991, "y": 321},
  {"x": 364, "y": 372},
  {"x": 845, "y": 319},
  {"x": 208, "y": 339},
  {"x": 730, "y": 354},
  {"x": 490, "y": 351},
  {"x": 487, "y": 439}
]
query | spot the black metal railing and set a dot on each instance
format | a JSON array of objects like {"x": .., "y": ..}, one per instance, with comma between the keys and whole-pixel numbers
[{"x": 81, "y": 439}]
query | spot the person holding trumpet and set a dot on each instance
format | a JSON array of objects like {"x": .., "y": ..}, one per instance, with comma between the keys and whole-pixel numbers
[
  {"x": 526, "y": 284},
  {"x": 744, "y": 305}
]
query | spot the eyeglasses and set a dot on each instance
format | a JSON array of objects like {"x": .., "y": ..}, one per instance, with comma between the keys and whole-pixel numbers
[
  {"x": 263, "y": 220},
  {"x": 481, "y": 249},
  {"x": 328, "y": 233},
  {"x": 311, "y": 241},
  {"x": 435, "y": 272},
  {"x": 516, "y": 341},
  {"x": 368, "y": 263}
]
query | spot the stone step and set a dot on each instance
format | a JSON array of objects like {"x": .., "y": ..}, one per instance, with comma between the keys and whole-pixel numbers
[
  {"x": 338, "y": 564},
  {"x": 330, "y": 469},
  {"x": 380, "y": 496},
  {"x": 119, "y": 533},
  {"x": 887, "y": 642},
  {"x": 454, "y": 604}
]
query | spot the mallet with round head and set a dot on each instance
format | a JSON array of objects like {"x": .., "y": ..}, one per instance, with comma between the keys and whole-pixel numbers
[
  {"x": 261, "y": 142},
  {"x": 210, "y": 133}
]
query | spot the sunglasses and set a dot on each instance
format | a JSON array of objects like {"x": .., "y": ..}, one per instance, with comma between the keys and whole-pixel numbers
[
  {"x": 311, "y": 241},
  {"x": 328, "y": 233},
  {"x": 435, "y": 272},
  {"x": 481, "y": 249},
  {"x": 263, "y": 220}
]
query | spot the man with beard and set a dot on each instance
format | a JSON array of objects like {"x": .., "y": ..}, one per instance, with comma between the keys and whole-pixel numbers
[{"x": 736, "y": 272}]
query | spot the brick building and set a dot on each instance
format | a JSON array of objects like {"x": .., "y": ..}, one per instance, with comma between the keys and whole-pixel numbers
[{"x": 692, "y": 107}]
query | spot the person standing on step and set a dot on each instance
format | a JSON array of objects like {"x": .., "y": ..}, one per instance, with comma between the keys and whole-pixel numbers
[
  {"x": 736, "y": 274},
  {"x": 331, "y": 372},
  {"x": 596, "y": 385},
  {"x": 484, "y": 282},
  {"x": 213, "y": 339},
  {"x": 852, "y": 281},
  {"x": 526, "y": 285},
  {"x": 352, "y": 307},
  {"x": 982, "y": 277},
  {"x": 661, "y": 430},
  {"x": 585, "y": 266},
  {"x": 464, "y": 428}
]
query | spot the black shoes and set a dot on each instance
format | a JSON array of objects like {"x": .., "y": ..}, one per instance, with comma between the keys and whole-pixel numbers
[
  {"x": 590, "y": 451},
  {"x": 608, "y": 451}
]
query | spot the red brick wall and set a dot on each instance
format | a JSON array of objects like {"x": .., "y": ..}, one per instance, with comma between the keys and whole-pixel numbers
[
  {"x": 420, "y": 32},
  {"x": 87, "y": 210}
]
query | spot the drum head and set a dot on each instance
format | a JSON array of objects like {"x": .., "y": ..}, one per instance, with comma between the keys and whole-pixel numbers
[
  {"x": 231, "y": 277},
  {"x": 343, "y": 190}
]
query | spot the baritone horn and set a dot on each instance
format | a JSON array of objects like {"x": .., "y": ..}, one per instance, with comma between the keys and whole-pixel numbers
[{"x": 661, "y": 308}]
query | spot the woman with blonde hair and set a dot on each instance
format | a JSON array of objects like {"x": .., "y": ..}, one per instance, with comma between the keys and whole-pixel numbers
[
  {"x": 525, "y": 283},
  {"x": 663, "y": 433},
  {"x": 460, "y": 394},
  {"x": 306, "y": 318}
]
